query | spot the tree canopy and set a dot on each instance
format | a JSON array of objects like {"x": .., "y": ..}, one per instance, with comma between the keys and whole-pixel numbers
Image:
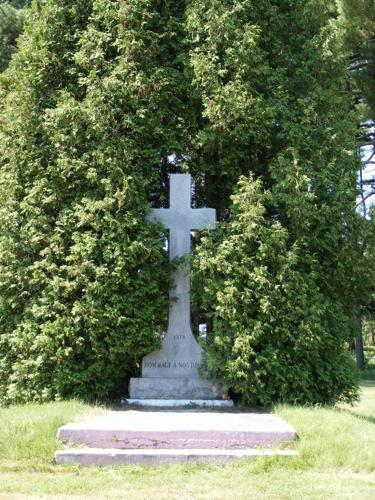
[
  {"x": 83, "y": 281},
  {"x": 358, "y": 19},
  {"x": 277, "y": 283},
  {"x": 105, "y": 98}
]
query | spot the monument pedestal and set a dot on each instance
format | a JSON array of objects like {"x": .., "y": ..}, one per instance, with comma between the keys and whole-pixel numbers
[
  {"x": 170, "y": 376},
  {"x": 168, "y": 388},
  {"x": 168, "y": 392},
  {"x": 168, "y": 381}
]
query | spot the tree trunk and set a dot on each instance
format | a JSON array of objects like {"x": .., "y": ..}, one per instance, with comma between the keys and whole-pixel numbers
[{"x": 359, "y": 353}]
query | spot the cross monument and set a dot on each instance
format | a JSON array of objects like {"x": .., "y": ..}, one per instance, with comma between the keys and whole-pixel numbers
[{"x": 172, "y": 372}]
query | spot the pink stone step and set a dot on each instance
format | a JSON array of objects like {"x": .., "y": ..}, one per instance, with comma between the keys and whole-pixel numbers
[
  {"x": 183, "y": 430},
  {"x": 105, "y": 457}
]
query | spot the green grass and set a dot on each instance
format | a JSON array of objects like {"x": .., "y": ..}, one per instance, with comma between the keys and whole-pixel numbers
[
  {"x": 28, "y": 434},
  {"x": 336, "y": 446}
]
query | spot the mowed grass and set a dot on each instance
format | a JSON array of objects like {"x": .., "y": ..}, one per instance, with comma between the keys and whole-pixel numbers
[{"x": 336, "y": 460}]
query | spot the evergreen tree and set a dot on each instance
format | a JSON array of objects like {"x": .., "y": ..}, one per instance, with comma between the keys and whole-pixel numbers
[
  {"x": 278, "y": 282},
  {"x": 276, "y": 335},
  {"x": 105, "y": 98},
  {"x": 90, "y": 105},
  {"x": 358, "y": 20}
]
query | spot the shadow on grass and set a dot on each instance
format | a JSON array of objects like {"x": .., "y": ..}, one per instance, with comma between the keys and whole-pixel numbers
[
  {"x": 368, "y": 382},
  {"x": 371, "y": 420},
  {"x": 367, "y": 418}
]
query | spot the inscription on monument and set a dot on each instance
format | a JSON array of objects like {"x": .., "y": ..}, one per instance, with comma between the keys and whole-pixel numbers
[
  {"x": 179, "y": 337},
  {"x": 171, "y": 364}
]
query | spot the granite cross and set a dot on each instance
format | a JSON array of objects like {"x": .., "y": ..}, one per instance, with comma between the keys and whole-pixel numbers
[{"x": 180, "y": 218}]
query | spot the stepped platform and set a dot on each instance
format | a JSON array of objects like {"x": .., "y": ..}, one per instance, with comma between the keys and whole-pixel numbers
[{"x": 167, "y": 436}]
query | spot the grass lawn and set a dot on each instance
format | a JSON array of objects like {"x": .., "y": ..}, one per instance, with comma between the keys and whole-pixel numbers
[{"x": 336, "y": 446}]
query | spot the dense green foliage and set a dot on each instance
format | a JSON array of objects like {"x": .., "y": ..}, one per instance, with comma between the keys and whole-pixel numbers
[
  {"x": 11, "y": 24},
  {"x": 358, "y": 20},
  {"x": 276, "y": 333},
  {"x": 102, "y": 101},
  {"x": 279, "y": 281},
  {"x": 88, "y": 103},
  {"x": 18, "y": 4}
]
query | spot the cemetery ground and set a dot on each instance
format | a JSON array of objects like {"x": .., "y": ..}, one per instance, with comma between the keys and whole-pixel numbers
[{"x": 336, "y": 460}]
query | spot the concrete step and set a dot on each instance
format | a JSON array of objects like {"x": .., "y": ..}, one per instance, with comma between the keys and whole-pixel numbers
[
  {"x": 184, "y": 430},
  {"x": 104, "y": 457}
]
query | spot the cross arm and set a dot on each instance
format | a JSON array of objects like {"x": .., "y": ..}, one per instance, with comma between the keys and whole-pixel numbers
[
  {"x": 203, "y": 218},
  {"x": 160, "y": 215}
]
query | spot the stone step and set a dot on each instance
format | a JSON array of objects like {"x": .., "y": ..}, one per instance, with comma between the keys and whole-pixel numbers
[
  {"x": 105, "y": 457},
  {"x": 183, "y": 429}
]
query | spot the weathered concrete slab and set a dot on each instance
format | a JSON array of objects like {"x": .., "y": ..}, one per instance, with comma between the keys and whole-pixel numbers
[
  {"x": 103, "y": 457},
  {"x": 169, "y": 388},
  {"x": 178, "y": 403},
  {"x": 179, "y": 430}
]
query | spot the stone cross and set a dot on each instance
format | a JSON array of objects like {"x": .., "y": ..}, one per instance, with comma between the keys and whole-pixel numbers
[{"x": 180, "y": 355}]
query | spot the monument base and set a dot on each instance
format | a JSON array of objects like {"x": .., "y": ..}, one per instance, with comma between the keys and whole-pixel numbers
[
  {"x": 180, "y": 403},
  {"x": 174, "y": 388}
]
